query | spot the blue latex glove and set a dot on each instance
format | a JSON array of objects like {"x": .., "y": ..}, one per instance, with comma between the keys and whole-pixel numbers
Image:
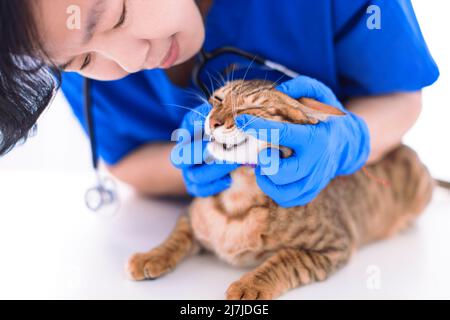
[
  {"x": 338, "y": 146},
  {"x": 202, "y": 179}
]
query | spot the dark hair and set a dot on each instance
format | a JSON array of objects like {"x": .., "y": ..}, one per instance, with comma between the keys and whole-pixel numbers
[{"x": 27, "y": 85}]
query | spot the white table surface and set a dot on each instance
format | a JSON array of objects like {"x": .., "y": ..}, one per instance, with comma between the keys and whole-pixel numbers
[{"x": 52, "y": 247}]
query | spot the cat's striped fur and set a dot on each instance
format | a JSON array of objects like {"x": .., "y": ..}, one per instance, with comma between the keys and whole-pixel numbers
[{"x": 290, "y": 247}]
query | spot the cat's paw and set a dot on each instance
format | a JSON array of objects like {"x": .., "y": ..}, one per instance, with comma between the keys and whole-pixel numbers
[
  {"x": 248, "y": 290},
  {"x": 147, "y": 266}
]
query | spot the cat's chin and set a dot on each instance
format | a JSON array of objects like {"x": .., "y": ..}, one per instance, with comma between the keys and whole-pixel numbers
[{"x": 244, "y": 153}]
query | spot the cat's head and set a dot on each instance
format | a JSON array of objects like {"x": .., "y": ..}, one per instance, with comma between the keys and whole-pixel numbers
[{"x": 258, "y": 98}]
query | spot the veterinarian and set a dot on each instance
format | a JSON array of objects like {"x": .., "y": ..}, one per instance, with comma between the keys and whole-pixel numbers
[{"x": 367, "y": 56}]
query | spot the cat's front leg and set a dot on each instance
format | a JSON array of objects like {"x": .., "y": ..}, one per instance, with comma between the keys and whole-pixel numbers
[
  {"x": 162, "y": 259},
  {"x": 287, "y": 269}
]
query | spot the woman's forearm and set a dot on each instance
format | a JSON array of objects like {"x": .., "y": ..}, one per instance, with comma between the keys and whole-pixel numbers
[
  {"x": 149, "y": 171},
  {"x": 388, "y": 117}
]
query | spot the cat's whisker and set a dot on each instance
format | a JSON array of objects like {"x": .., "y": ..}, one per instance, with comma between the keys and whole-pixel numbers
[
  {"x": 209, "y": 90},
  {"x": 211, "y": 84},
  {"x": 222, "y": 78},
  {"x": 255, "y": 116},
  {"x": 234, "y": 113},
  {"x": 203, "y": 99},
  {"x": 232, "y": 74},
  {"x": 254, "y": 119},
  {"x": 245, "y": 75},
  {"x": 248, "y": 69},
  {"x": 184, "y": 107},
  {"x": 192, "y": 91},
  {"x": 220, "y": 82},
  {"x": 251, "y": 121},
  {"x": 197, "y": 95},
  {"x": 234, "y": 101},
  {"x": 276, "y": 83},
  {"x": 234, "y": 108}
]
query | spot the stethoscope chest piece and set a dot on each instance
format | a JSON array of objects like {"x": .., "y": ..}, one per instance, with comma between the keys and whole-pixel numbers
[{"x": 103, "y": 197}]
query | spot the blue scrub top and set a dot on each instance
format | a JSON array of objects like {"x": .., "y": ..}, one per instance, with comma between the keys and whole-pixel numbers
[{"x": 325, "y": 39}]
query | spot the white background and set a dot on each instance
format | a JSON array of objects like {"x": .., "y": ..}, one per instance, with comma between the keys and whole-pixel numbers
[{"x": 52, "y": 247}]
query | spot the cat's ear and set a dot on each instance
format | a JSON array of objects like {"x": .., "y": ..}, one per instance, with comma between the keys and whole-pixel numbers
[{"x": 318, "y": 111}]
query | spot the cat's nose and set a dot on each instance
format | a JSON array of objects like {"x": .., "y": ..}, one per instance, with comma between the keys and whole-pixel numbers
[{"x": 215, "y": 123}]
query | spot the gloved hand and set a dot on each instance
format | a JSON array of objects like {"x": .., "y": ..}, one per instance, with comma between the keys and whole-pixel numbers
[
  {"x": 337, "y": 146},
  {"x": 202, "y": 179}
]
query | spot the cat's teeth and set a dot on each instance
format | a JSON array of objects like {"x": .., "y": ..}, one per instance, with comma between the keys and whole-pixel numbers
[{"x": 228, "y": 147}]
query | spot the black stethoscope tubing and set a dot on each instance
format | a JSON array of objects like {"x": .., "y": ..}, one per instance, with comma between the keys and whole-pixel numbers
[
  {"x": 90, "y": 121},
  {"x": 104, "y": 192},
  {"x": 204, "y": 57}
]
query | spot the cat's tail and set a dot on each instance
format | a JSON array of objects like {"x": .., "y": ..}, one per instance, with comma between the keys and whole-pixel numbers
[{"x": 443, "y": 184}]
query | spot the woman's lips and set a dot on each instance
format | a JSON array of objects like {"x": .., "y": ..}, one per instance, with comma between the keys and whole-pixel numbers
[{"x": 172, "y": 55}]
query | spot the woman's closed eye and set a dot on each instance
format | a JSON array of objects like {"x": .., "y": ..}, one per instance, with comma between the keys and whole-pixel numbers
[
  {"x": 122, "y": 19},
  {"x": 86, "y": 61},
  {"x": 123, "y": 16}
]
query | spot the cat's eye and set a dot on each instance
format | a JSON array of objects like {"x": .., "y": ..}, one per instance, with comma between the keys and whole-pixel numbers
[{"x": 218, "y": 98}]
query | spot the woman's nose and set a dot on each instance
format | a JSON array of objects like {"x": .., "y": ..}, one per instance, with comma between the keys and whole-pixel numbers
[{"x": 130, "y": 56}]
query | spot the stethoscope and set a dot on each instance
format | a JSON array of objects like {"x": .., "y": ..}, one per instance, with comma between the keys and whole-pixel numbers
[
  {"x": 204, "y": 57},
  {"x": 104, "y": 193}
]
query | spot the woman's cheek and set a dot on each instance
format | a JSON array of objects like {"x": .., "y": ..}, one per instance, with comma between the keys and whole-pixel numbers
[
  {"x": 191, "y": 38},
  {"x": 105, "y": 72}
]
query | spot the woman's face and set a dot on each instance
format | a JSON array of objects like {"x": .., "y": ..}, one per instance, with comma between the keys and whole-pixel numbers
[{"x": 109, "y": 39}]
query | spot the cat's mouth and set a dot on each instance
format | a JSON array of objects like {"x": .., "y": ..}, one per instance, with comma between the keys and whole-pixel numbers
[
  {"x": 223, "y": 138},
  {"x": 227, "y": 146},
  {"x": 232, "y": 144}
]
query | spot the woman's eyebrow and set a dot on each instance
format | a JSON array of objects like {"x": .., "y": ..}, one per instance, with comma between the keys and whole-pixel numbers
[{"x": 93, "y": 17}]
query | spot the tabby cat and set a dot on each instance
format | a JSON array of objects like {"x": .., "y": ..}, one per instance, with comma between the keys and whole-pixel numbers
[{"x": 288, "y": 247}]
